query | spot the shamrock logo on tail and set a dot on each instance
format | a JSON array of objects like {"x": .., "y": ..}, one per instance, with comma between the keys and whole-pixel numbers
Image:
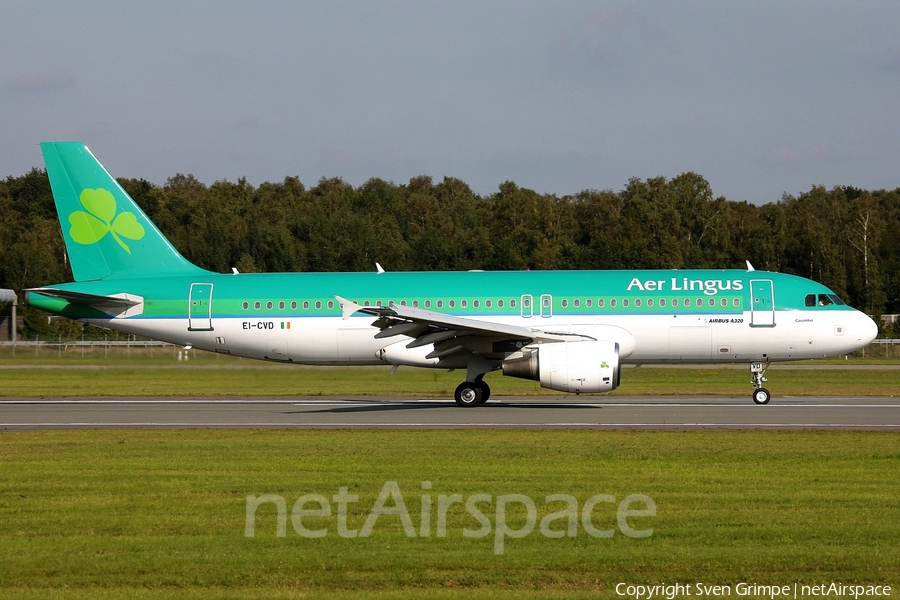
[{"x": 99, "y": 218}]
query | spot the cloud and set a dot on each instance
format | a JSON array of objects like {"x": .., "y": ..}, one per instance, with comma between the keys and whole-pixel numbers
[
  {"x": 247, "y": 124},
  {"x": 892, "y": 62},
  {"x": 787, "y": 154},
  {"x": 606, "y": 39},
  {"x": 37, "y": 83}
]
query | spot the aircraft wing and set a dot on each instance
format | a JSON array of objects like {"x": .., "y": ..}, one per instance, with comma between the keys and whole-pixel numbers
[{"x": 451, "y": 334}]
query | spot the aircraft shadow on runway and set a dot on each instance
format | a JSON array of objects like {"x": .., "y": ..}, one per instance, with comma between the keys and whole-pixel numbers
[{"x": 394, "y": 406}]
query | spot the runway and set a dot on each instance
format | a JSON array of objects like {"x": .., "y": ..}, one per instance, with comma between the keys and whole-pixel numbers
[{"x": 631, "y": 412}]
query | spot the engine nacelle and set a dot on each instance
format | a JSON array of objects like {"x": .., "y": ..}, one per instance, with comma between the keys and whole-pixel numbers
[{"x": 588, "y": 366}]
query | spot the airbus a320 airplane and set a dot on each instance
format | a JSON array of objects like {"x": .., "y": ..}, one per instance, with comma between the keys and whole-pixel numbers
[{"x": 570, "y": 330}]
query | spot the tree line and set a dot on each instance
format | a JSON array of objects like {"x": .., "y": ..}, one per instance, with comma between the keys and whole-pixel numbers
[{"x": 845, "y": 237}]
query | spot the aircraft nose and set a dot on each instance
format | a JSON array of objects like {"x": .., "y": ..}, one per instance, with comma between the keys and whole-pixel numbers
[{"x": 866, "y": 331}]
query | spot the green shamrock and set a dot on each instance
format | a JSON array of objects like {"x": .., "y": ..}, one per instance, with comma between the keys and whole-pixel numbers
[
  {"x": 90, "y": 227},
  {"x": 604, "y": 365}
]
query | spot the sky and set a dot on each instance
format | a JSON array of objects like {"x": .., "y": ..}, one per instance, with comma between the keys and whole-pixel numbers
[{"x": 761, "y": 98}]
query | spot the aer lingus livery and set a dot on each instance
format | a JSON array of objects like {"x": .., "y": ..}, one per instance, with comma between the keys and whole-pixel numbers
[{"x": 570, "y": 330}]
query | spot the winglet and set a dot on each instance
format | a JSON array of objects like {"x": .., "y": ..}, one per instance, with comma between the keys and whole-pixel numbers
[
  {"x": 379, "y": 268},
  {"x": 348, "y": 307},
  {"x": 749, "y": 266}
]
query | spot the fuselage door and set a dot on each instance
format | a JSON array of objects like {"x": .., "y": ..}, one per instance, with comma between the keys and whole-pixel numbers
[
  {"x": 546, "y": 305},
  {"x": 762, "y": 303},
  {"x": 526, "y": 306},
  {"x": 200, "y": 307}
]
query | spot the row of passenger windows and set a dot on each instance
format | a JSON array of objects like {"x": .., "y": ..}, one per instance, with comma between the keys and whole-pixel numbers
[
  {"x": 650, "y": 302},
  {"x": 526, "y": 303}
]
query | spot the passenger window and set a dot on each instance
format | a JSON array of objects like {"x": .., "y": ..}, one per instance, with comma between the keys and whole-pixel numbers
[
  {"x": 637, "y": 302},
  {"x": 268, "y": 305},
  {"x": 306, "y": 305},
  {"x": 601, "y": 302},
  {"x": 625, "y": 302},
  {"x": 245, "y": 305},
  {"x": 451, "y": 303},
  {"x": 281, "y": 306},
  {"x": 440, "y": 304},
  {"x": 613, "y": 303},
  {"x": 588, "y": 302},
  {"x": 428, "y": 304},
  {"x": 649, "y": 301},
  {"x": 294, "y": 305},
  {"x": 318, "y": 304},
  {"x": 565, "y": 303},
  {"x": 330, "y": 304},
  {"x": 736, "y": 302},
  {"x": 699, "y": 301},
  {"x": 487, "y": 303},
  {"x": 662, "y": 301},
  {"x": 499, "y": 303},
  {"x": 464, "y": 304},
  {"x": 512, "y": 303},
  {"x": 415, "y": 304},
  {"x": 475, "y": 303}
]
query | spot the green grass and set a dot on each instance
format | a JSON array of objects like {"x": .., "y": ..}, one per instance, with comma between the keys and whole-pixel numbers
[
  {"x": 232, "y": 377},
  {"x": 119, "y": 371},
  {"x": 152, "y": 514}
]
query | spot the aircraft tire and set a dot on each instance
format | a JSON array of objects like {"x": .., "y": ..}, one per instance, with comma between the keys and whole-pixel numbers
[
  {"x": 485, "y": 391},
  {"x": 468, "y": 394},
  {"x": 761, "y": 396}
]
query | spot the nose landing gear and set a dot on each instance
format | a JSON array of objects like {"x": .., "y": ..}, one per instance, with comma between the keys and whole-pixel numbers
[{"x": 757, "y": 371}]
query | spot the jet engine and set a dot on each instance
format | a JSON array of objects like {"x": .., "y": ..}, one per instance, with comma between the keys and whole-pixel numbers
[{"x": 584, "y": 366}]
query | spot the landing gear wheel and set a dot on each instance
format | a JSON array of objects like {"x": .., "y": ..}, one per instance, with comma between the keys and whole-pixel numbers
[
  {"x": 468, "y": 394},
  {"x": 485, "y": 391},
  {"x": 761, "y": 396}
]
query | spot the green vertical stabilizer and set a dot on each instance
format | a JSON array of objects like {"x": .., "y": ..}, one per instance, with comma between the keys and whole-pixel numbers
[{"x": 106, "y": 233}]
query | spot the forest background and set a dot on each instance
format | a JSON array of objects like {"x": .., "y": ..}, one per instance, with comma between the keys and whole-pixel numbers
[{"x": 845, "y": 237}]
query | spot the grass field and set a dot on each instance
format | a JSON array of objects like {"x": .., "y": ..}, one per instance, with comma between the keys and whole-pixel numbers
[
  {"x": 154, "y": 514},
  {"x": 163, "y": 514},
  {"x": 122, "y": 372}
]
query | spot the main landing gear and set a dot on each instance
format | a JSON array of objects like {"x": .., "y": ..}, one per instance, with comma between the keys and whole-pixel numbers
[
  {"x": 757, "y": 371},
  {"x": 472, "y": 393}
]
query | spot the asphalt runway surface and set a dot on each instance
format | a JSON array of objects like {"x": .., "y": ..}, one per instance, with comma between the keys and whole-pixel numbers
[{"x": 555, "y": 412}]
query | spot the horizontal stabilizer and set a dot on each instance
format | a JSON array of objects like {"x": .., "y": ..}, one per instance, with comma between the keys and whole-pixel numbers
[{"x": 117, "y": 305}]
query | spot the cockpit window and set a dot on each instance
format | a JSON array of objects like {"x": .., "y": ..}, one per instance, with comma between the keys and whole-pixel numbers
[{"x": 824, "y": 300}]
